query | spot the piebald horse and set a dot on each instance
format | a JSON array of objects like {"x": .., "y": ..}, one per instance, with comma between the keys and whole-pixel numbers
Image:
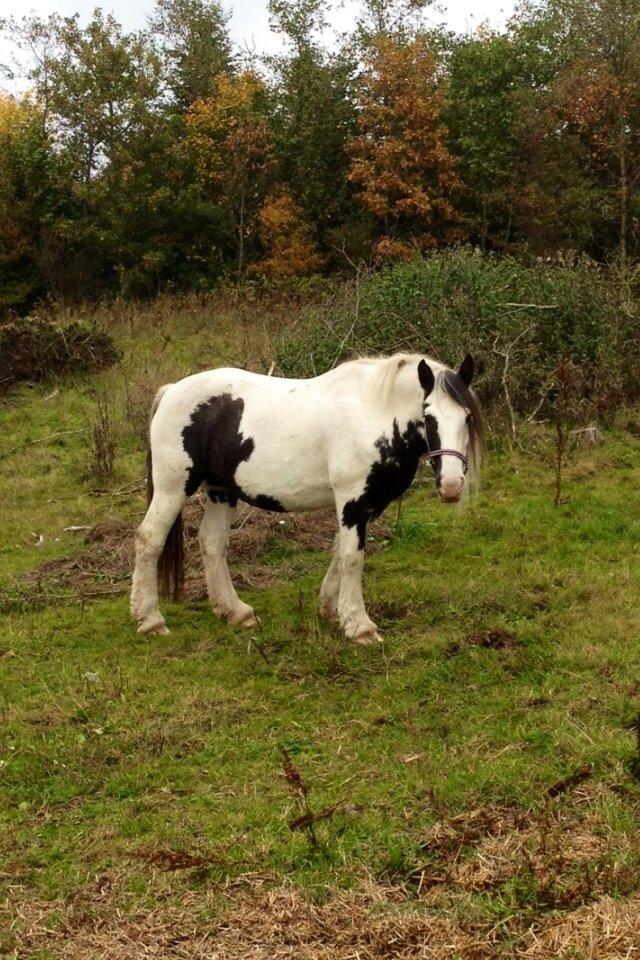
[{"x": 350, "y": 438}]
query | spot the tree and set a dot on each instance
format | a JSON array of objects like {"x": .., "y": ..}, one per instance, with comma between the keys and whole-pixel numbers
[
  {"x": 286, "y": 239},
  {"x": 485, "y": 78},
  {"x": 400, "y": 165},
  {"x": 399, "y": 19},
  {"x": 313, "y": 114},
  {"x": 194, "y": 47},
  {"x": 590, "y": 109},
  {"x": 27, "y": 197},
  {"x": 604, "y": 104},
  {"x": 230, "y": 139}
]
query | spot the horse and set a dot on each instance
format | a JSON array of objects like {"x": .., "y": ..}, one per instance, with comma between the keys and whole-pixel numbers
[{"x": 350, "y": 438}]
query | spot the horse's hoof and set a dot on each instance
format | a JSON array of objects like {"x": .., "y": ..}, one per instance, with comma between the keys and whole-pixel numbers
[
  {"x": 242, "y": 618},
  {"x": 368, "y": 637},
  {"x": 249, "y": 620},
  {"x": 159, "y": 629}
]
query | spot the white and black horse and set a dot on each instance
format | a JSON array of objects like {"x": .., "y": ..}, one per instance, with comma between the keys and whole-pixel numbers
[{"x": 351, "y": 438}]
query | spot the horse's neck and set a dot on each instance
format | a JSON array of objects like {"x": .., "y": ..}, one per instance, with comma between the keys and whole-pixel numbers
[{"x": 403, "y": 398}]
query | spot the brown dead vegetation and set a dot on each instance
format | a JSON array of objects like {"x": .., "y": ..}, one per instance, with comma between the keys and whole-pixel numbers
[
  {"x": 579, "y": 899},
  {"x": 558, "y": 858},
  {"x": 35, "y": 347},
  {"x": 371, "y": 923},
  {"x": 104, "y": 566},
  {"x": 495, "y": 638}
]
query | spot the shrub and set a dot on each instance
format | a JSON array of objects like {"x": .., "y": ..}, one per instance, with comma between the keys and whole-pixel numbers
[
  {"x": 35, "y": 347},
  {"x": 518, "y": 320}
]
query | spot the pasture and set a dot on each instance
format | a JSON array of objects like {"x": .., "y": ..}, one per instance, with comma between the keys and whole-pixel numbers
[{"x": 467, "y": 789}]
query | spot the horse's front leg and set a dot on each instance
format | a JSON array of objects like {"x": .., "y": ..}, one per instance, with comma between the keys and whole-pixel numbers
[{"x": 353, "y": 617}]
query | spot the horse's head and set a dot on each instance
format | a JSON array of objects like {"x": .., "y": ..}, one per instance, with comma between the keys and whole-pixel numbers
[{"x": 453, "y": 426}]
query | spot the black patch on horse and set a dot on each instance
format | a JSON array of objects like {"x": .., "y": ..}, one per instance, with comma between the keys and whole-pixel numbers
[
  {"x": 388, "y": 477},
  {"x": 213, "y": 441},
  {"x": 263, "y": 502},
  {"x": 433, "y": 443}
]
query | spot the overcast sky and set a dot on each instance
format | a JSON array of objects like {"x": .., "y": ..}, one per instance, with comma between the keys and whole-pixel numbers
[{"x": 249, "y": 21}]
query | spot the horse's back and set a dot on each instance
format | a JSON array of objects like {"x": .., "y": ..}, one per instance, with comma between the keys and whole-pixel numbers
[{"x": 260, "y": 437}]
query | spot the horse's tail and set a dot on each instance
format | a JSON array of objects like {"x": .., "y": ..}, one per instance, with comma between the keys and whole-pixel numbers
[{"x": 171, "y": 560}]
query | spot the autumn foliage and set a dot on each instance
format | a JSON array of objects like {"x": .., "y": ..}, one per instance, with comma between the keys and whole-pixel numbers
[
  {"x": 229, "y": 139},
  {"x": 287, "y": 240},
  {"x": 166, "y": 159},
  {"x": 401, "y": 167}
]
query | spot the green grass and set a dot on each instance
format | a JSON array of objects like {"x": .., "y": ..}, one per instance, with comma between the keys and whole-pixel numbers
[{"x": 113, "y": 745}]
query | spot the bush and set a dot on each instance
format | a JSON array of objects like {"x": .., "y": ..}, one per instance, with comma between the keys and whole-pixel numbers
[
  {"x": 518, "y": 320},
  {"x": 35, "y": 347}
]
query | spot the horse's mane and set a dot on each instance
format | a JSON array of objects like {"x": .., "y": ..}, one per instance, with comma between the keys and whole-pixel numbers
[
  {"x": 457, "y": 389},
  {"x": 386, "y": 374}
]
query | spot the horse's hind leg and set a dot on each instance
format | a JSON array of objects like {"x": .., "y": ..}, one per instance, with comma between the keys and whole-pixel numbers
[
  {"x": 330, "y": 590},
  {"x": 150, "y": 539},
  {"x": 214, "y": 537}
]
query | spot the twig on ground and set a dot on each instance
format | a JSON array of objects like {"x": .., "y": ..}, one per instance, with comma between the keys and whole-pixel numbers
[{"x": 47, "y": 439}]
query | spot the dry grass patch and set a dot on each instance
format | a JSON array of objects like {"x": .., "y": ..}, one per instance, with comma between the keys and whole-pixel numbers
[
  {"x": 606, "y": 930},
  {"x": 104, "y": 567},
  {"x": 373, "y": 922},
  {"x": 559, "y": 858},
  {"x": 369, "y": 924}
]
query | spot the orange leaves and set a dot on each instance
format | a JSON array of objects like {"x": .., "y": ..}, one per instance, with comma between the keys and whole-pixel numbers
[
  {"x": 593, "y": 102},
  {"x": 229, "y": 138},
  {"x": 400, "y": 164},
  {"x": 287, "y": 240}
]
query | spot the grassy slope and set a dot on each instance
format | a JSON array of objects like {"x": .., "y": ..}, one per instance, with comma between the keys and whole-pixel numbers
[{"x": 112, "y": 744}]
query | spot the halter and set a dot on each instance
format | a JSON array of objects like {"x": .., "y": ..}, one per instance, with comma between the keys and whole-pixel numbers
[{"x": 444, "y": 452}]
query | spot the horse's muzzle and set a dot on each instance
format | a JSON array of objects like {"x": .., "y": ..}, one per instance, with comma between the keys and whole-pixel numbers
[{"x": 450, "y": 489}]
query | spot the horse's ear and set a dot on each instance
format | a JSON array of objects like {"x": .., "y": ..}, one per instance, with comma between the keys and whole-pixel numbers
[
  {"x": 426, "y": 377},
  {"x": 465, "y": 371}
]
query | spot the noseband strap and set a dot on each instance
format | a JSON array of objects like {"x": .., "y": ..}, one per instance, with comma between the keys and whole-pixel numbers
[{"x": 432, "y": 454}]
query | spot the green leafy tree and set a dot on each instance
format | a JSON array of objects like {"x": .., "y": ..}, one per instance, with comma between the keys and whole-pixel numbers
[
  {"x": 313, "y": 115},
  {"x": 485, "y": 77},
  {"x": 27, "y": 200},
  {"x": 194, "y": 47}
]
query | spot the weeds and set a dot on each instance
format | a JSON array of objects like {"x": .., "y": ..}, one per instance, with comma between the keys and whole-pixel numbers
[
  {"x": 300, "y": 792},
  {"x": 567, "y": 407},
  {"x": 103, "y": 445}
]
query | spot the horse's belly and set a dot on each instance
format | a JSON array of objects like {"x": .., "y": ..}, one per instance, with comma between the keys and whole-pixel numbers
[{"x": 294, "y": 485}]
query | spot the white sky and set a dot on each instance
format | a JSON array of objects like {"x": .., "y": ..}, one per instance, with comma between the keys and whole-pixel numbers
[{"x": 249, "y": 21}]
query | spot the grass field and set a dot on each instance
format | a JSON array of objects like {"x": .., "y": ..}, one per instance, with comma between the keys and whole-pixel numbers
[{"x": 478, "y": 770}]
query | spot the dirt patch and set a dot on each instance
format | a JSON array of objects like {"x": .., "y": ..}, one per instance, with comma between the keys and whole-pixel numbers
[
  {"x": 496, "y": 638},
  {"x": 104, "y": 567},
  {"x": 174, "y": 859}
]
